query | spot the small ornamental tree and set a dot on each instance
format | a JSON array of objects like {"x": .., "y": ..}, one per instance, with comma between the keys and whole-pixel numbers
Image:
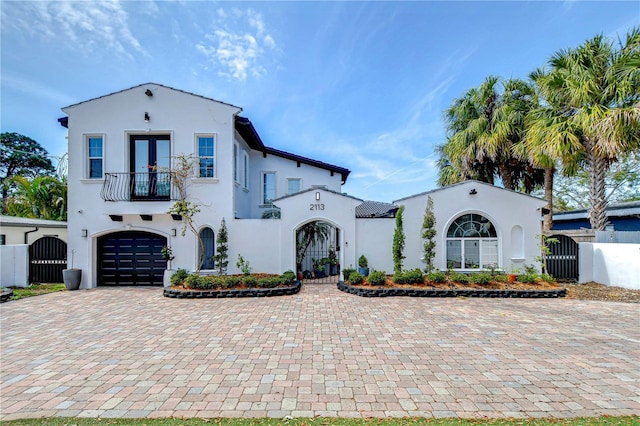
[
  {"x": 429, "y": 236},
  {"x": 221, "y": 258},
  {"x": 398, "y": 243},
  {"x": 180, "y": 173}
]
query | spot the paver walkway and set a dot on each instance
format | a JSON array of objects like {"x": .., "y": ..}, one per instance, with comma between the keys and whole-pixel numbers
[{"x": 129, "y": 352}]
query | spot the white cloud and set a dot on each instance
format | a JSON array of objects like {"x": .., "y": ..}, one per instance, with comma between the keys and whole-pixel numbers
[
  {"x": 35, "y": 89},
  {"x": 238, "y": 44},
  {"x": 88, "y": 26}
]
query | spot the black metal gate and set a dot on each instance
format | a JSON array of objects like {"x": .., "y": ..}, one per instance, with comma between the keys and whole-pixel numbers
[
  {"x": 320, "y": 263},
  {"x": 562, "y": 263},
  {"x": 47, "y": 259}
]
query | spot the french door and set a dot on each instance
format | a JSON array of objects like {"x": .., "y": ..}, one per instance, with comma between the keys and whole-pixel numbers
[{"x": 150, "y": 164}]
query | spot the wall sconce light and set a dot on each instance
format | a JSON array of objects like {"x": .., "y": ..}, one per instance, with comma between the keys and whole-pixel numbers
[
  {"x": 148, "y": 92},
  {"x": 318, "y": 196},
  {"x": 174, "y": 232},
  {"x": 473, "y": 191},
  {"x": 84, "y": 233},
  {"x": 146, "y": 117}
]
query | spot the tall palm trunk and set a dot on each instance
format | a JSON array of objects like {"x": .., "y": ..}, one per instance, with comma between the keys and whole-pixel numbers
[
  {"x": 549, "y": 173},
  {"x": 505, "y": 175},
  {"x": 598, "y": 204}
]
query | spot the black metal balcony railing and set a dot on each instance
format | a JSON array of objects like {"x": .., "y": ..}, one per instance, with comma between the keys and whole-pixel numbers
[{"x": 151, "y": 186}]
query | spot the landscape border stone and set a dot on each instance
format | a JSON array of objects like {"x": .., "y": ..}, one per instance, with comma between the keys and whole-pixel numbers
[
  {"x": 415, "y": 292},
  {"x": 220, "y": 294}
]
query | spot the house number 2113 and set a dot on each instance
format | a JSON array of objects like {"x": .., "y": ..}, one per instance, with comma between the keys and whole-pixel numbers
[{"x": 316, "y": 206}]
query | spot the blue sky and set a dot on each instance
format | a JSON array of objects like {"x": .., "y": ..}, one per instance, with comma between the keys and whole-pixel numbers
[{"x": 362, "y": 85}]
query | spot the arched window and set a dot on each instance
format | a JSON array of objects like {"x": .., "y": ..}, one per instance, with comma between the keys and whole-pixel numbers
[
  {"x": 209, "y": 248},
  {"x": 472, "y": 243}
]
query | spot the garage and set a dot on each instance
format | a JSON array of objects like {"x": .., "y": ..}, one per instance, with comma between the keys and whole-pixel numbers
[{"x": 131, "y": 258}]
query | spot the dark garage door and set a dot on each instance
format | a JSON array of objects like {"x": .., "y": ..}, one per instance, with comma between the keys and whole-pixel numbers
[{"x": 131, "y": 258}]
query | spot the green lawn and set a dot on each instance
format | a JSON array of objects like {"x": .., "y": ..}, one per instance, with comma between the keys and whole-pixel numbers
[
  {"x": 590, "y": 421},
  {"x": 36, "y": 290}
]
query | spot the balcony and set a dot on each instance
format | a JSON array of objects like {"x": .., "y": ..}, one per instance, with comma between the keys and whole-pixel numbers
[{"x": 151, "y": 186}]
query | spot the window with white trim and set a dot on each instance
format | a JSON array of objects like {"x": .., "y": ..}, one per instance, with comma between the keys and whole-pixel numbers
[
  {"x": 294, "y": 185},
  {"x": 206, "y": 156},
  {"x": 236, "y": 162},
  {"x": 208, "y": 241},
  {"x": 95, "y": 157},
  {"x": 245, "y": 170},
  {"x": 268, "y": 187},
  {"x": 472, "y": 243}
]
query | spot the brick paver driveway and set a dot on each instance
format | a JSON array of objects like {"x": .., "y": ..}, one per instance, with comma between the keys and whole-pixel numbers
[{"x": 129, "y": 352}]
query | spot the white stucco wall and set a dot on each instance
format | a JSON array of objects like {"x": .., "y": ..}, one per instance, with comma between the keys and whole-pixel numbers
[
  {"x": 508, "y": 211},
  {"x": 16, "y": 234},
  {"x": 374, "y": 240},
  {"x": 610, "y": 264},
  {"x": 14, "y": 265}
]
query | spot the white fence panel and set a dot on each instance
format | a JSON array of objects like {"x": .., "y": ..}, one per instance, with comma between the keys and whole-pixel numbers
[
  {"x": 14, "y": 265},
  {"x": 610, "y": 264},
  {"x": 627, "y": 237}
]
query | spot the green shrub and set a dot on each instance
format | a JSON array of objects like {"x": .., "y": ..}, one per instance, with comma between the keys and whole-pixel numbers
[
  {"x": 191, "y": 281},
  {"x": 377, "y": 277},
  {"x": 363, "y": 262},
  {"x": 232, "y": 281},
  {"x": 501, "y": 278},
  {"x": 527, "y": 278},
  {"x": 530, "y": 270},
  {"x": 356, "y": 278},
  {"x": 480, "y": 278},
  {"x": 437, "y": 277},
  {"x": 547, "y": 278},
  {"x": 288, "y": 276},
  {"x": 458, "y": 277},
  {"x": 414, "y": 276},
  {"x": 346, "y": 273},
  {"x": 250, "y": 281},
  {"x": 269, "y": 282},
  {"x": 179, "y": 276}
]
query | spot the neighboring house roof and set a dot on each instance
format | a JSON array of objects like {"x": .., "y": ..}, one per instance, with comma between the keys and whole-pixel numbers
[
  {"x": 245, "y": 128},
  {"x": 26, "y": 221},
  {"x": 466, "y": 182},
  {"x": 631, "y": 208},
  {"x": 376, "y": 209}
]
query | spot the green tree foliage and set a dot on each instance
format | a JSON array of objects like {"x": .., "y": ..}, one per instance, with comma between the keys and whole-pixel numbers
[
  {"x": 622, "y": 184},
  {"x": 41, "y": 197},
  {"x": 315, "y": 232},
  {"x": 483, "y": 128},
  {"x": 21, "y": 156},
  {"x": 590, "y": 114},
  {"x": 221, "y": 258},
  {"x": 398, "y": 242},
  {"x": 429, "y": 236}
]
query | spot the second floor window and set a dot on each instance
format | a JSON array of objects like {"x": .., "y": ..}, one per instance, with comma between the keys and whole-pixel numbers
[
  {"x": 245, "y": 170},
  {"x": 94, "y": 151},
  {"x": 206, "y": 152},
  {"x": 268, "y": 187},
  {"x": 293, "y": 186}
]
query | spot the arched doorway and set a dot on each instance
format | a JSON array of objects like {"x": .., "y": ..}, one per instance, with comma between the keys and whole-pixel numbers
[
  {"x": 318, "y": 252},
  {"x": 131, "y": 258}
]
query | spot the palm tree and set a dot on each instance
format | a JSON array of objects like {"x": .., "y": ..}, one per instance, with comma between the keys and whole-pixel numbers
[
  {"x": 483, "y": 127},
  {"x": 310, "y": 233},
  {"x": 43, "y": 197},
  {"x": 591, "y": 113}
]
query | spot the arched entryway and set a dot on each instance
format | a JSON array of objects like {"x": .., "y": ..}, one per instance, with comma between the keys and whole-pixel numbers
[
  {"x": 131, "y": 258},
  {"x": 318, "y": 248}
]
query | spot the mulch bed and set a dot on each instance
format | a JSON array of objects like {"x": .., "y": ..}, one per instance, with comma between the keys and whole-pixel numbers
[{"x": 602, "y": 293}]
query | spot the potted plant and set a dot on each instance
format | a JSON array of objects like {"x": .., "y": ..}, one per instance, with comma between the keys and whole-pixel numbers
[
  {"x": 363, "y": 266},
  {"x": 512, "y": 276},
  {"x": 167, "y": 254},
  {"x": 72, "y": 277},
  {"x": 333, "y": 261},
  {"x": 317, "y": 273}
]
